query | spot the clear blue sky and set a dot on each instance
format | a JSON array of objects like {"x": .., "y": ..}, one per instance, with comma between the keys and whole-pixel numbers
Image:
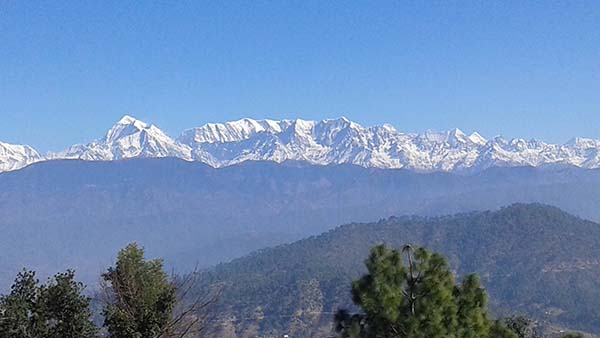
[{"x": 70, "y": 69}]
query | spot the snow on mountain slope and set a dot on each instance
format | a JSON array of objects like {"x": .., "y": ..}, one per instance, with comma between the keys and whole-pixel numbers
[
  {"x": 332, "y": 141},
  {"x": 231, "y": 131},
  {"x": 14, "y": 156},
  {"x": 338, "y": 141},
  {"x": 128, "y": 138}
]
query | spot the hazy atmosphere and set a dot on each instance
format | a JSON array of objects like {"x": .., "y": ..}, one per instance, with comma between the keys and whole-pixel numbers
[{"x": 299, "y": 169}]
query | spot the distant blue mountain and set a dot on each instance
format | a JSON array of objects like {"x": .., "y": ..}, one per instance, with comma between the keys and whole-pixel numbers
[{"x": 69, "y": 213}]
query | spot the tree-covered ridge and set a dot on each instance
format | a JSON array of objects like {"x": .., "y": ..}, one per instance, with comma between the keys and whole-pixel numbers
[
  {"x": 396, "y": 298},
  {"x": 296, "y": 289},
  {"x": 533, "y": 259}
]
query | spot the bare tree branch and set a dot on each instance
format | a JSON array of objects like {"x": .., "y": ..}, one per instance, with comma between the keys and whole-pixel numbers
[{"x": 191, "y": 317}]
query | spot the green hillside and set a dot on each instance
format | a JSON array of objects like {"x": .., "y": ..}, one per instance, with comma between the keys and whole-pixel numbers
[{"x": 533, "y": 259}]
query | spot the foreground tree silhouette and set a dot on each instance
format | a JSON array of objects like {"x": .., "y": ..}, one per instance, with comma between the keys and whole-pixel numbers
[
  {"x": 54, "y": 310},
  {"x": 141, "y": 301},
  {"x": 416, "y": 297}
]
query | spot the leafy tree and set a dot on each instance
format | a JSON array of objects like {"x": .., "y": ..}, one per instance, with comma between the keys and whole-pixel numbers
[
  {"x": 55, "y": 310},
  {"x": 140, "y": 298},
  {"x": 417, "y": 300},
  {"x": 18, "y": 310},
  {"x": 64, "y": 308},
  {"x": 143, "y": 302}
]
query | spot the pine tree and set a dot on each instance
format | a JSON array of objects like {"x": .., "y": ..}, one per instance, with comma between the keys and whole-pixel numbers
[
  {"x": 472, "y": 308},
  {"x": 416, "y": 297}
]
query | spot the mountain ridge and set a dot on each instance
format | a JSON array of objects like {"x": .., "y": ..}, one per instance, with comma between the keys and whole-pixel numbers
[
  {"x": 15, "y": 156},
  {"x": 512, "y": 248},
  {"x": 329, "y": 141}
]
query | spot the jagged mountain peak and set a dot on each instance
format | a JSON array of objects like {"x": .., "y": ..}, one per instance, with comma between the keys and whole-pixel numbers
[
  {"x": 342, "y": 120},
  {"x": 457, "y": 136},
  {"x": 476, "y": 138},
  {"x": 128, "y": 119},
  {"x": 128, "y": 138},
  {"x": 582, "y": 142},
  {"x": 17, "y": 156},
  {"x": 233, "y": 131},
  {"x": 388, "y": 127},
  {"x": 236, "y": 131},
  {"x": 339, "y": 140},
  {"x": 126, "y": 126},
  {"x": 329, "y": 141},
  {"x": 457, "y": 132}
]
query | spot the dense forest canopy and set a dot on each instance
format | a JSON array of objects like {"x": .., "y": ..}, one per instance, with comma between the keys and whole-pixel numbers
[{"x": 532, "y": 259}]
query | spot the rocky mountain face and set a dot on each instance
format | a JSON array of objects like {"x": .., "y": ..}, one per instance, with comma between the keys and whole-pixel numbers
[{"x": 333, "y": 141}]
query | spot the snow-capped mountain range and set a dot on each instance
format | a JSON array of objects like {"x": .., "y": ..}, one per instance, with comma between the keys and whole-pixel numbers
[
  {"x": 13, "y": 156},
  {"x": 332, "y": 141}
]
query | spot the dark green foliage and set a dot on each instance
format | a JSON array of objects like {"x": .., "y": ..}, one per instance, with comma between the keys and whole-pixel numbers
[
  {"x": 523, "y": 327},
  {"x": 65, "y": 308},
  {"x": 142, "y": 298},
  {"x": 54, "y": 310},
  {"x": 520, "y": 245},
  {"x": 472, "y": 313},
  {"x": 499, "y": 330},
  {"x": 417, "y": 299},
  {"x": 19, "y": 314}
]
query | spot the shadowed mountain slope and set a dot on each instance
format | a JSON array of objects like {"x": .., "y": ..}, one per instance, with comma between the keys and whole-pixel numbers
[{"x": 77, "y": 214}]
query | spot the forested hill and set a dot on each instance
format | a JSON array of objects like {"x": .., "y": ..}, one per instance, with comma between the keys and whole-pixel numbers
[{"x": 533, "y": 259}]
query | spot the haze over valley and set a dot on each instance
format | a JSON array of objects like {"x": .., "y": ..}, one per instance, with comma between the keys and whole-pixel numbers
[{"x": 299, "y": 169}]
